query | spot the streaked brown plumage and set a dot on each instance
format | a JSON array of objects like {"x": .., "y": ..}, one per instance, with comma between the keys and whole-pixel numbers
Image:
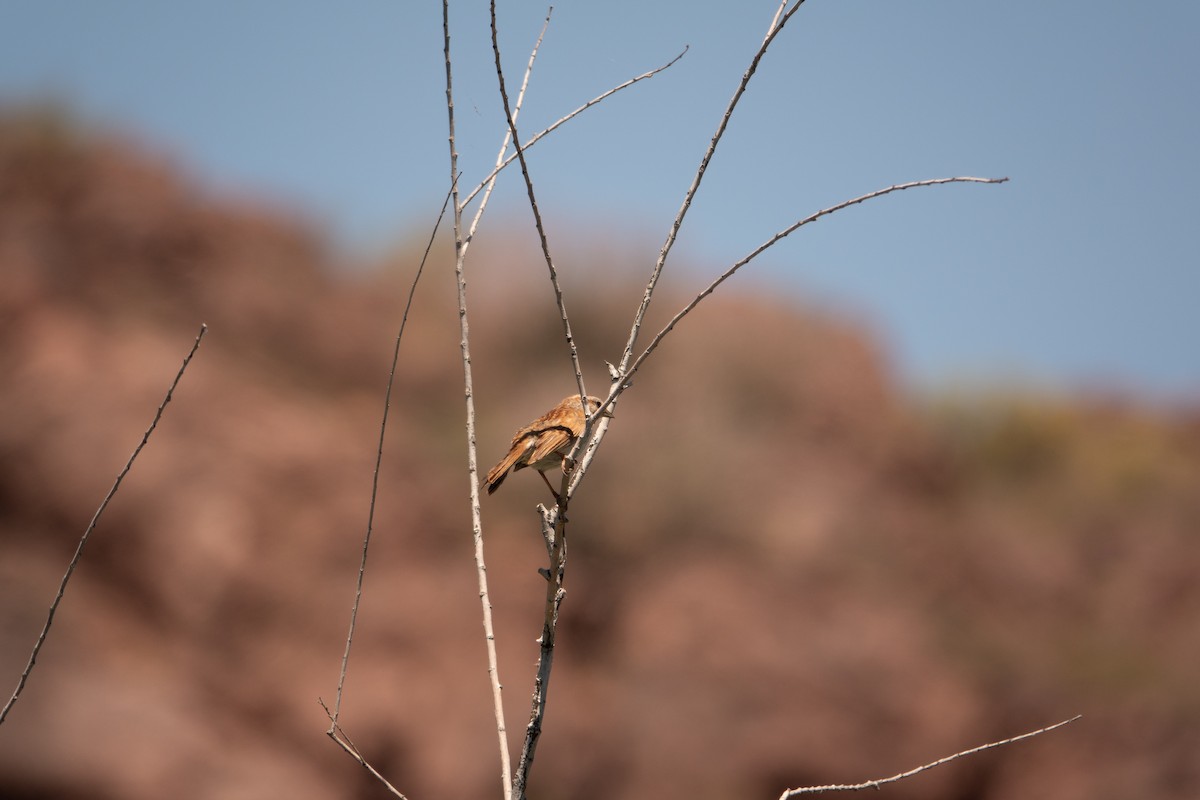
[{"x": 545, "y": 442}]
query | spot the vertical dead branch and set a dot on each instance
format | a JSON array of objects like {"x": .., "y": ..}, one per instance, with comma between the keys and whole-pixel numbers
[
  {"x": 469, "y": 397},
  {"x": 554, "y": 532},
  {"x": 558, "y": 553},
  {"x": 537, "y": 214}
]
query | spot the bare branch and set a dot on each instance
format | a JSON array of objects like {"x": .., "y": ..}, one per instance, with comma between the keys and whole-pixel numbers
[
  {"x": 62, "y": 587},
  {"x": 875, "y": 784},
  {"x": 490, "y": 181},
  {"x": 781, "y": 235},
  {"x": 387, "y": 405},
  {"x": 775, "y": 20},
  {"x": 554, "y": 530},
  {"x": 460, "y": 253},
  {"x": 538, "y": 136},
  {"x": 537, "y": 214},
  {"x": 590, "y": 442},
  {"x": 338, "y": 735},
  {"x": 782, "y": 15},
  {"x": 585, "y": 449}
]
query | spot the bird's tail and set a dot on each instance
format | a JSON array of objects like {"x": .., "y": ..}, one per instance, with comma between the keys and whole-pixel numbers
[{"x": 498, "y": 473}]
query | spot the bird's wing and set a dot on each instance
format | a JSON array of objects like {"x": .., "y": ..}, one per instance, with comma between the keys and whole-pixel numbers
[{"x": 549, "y": 440}]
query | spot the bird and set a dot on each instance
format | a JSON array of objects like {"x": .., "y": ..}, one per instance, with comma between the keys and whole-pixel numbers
[{"x": 545, "y": 442}]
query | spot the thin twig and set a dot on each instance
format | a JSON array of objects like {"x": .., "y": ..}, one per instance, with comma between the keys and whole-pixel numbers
[
  {"x": 537, "y": 214},
  {"x": 776, "y": 238},
  {"x": 472, "y": 457},
  {"x": 490, "y": 181},
  {"x": 619, "y": 375},
  {"x": 875, "y": 784},
  {"x": 62, "y": 587},
  {"x": 338, "y": 735},
  {"x": 387, "y": 406},
  {"x": 538, "y": 136},
  {"x": 777, "y": 22}
]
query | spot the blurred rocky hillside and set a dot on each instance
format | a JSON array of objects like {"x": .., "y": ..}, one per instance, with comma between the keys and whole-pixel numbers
[{"x": 783, "y": 570}]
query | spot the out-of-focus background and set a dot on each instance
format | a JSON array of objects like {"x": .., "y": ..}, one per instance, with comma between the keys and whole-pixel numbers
[
  {"x": 1081, "y": 271},
  {"x": 926, "y": 477}
]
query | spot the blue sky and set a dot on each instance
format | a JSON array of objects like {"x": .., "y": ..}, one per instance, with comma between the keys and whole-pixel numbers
[{"x": 1079, "y": 272}]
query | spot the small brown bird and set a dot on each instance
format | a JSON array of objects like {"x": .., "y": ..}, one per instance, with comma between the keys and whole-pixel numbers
[{"x": 545, "y": 442}]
